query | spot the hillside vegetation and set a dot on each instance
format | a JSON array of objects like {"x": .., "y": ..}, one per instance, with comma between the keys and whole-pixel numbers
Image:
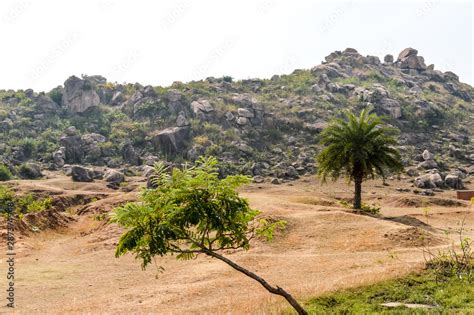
[{"x": 266, "y": 128}]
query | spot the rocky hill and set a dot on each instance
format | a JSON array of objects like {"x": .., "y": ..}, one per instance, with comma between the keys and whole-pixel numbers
[{"x": 266, "y": 128}]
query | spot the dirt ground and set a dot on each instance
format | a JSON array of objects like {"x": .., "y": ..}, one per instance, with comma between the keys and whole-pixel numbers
[{"x": 72, "y": 269}]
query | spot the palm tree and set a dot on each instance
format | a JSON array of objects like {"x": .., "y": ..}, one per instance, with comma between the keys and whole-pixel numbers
[{"x": 359, "y": 147}]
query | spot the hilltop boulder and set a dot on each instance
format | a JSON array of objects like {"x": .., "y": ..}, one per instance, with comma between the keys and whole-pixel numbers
[
  {"x": 79, "y": 95},
  {"x": 408, "y": 59},
  {"x": 407, "y": 52}
]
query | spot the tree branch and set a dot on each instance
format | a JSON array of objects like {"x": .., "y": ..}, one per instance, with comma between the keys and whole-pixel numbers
[{"x": 274, "y": 290}]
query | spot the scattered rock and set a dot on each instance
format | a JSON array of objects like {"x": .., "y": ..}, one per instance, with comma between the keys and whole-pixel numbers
[
  {"x": 428, "y": 164},
  {"x": 242, "y": 112},
  {"x": 453, "y": 181},
  {"x": 429, "y": 181},
  {"x": 81, "y": 174},
  {"x": 388, "y": 59},
  {"x": 114, "y": 177},
  {"x": 276, "y": 181},
  {"x": 30, "y": 171},
  {"x": 129, "y": 155}
]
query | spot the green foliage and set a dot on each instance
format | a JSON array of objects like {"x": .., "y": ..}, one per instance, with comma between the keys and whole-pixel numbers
[
  {"x": 453, "y": 296},
  {"x": 26, "y": 171},
  {"x": 95, "y": 119},
  {"x": 56, "y": 95},
  {"x": 227, "y": 78},
  {"x": 370, "y": 209},
  {"x": 358, "y": 146},
  {"x": 23, "y": 204},
  {"x": 5, "y": 173},
  {"x": 7, "y": 198},
  {"x": 365, "y": 208},
  {"x": 191, "y": 211},
  {"x": 30, "y": 203},
  {"x": 154, "y": 112},
  {"x": 28, "y": 146},
  {"x": 453, "y": 261}
]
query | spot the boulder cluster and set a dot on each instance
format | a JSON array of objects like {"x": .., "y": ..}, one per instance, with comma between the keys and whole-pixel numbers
[{"x": 267, "y": 129}]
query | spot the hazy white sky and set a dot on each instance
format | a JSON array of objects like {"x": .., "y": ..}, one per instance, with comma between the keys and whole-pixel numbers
[{"x": 158, "y": 42}]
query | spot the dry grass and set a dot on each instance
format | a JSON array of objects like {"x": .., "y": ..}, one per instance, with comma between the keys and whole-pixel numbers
[{"x": 324, "y": 249}]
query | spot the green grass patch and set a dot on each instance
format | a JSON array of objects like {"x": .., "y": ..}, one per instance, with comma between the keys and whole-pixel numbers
[{"x": 448, "y": 296}]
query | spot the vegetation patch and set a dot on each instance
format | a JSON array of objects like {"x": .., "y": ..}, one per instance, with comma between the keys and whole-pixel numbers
[{"x": 450, "y": 296}]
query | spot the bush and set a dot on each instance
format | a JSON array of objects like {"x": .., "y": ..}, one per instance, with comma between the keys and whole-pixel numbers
[
  {"x": 452, "y": 262},
  {"x": 56, "y": 95},
  {"x": 22, "y": 204},
  {"x": 5, "y": 173},
  {"x": 28, "y": 146},
  {"x": 227, "y": 78},
  {"x": 6, "y": 199}
]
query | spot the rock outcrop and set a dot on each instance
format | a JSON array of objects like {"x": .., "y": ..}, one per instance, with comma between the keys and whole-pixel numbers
[
  {"x": 171, "y": 141},
  {"x": 79, "y": 94}
]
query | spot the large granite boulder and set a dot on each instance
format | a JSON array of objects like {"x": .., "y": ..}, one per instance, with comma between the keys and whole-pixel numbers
[
  {"x": 407, "y": 52},
  {"x": 114, "y": 177},
  {"x": 72, "y": 143},
  {"x": 81, "y": 174},
  {"x": 79, "y": 94},
  {"x": 45, "y": 104},
  {"x": 429, "y": 181},
  {"x": 129, "y": 155},
  {"x": 171, "y": 141},
  {"x": 91, "y": 147},
  {"x": 59, "y": 156},
  {"x": 408, "y": 59},
  {"x": 453, "y": 181},
  {"x": 202, "y": 109},
  {"x": 428, "y": 161}
]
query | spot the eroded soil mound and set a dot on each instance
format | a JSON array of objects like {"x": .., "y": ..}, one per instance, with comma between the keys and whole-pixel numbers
[
  {"x": 413, "y": 237},
  {"x": 420, "y": 202}
]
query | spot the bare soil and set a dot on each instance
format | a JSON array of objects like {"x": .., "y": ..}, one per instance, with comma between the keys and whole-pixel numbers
[{"x": 69, "y": 266}]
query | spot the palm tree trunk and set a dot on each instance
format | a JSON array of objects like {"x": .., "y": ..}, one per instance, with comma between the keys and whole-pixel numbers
[{"x": 358, "y": 193}]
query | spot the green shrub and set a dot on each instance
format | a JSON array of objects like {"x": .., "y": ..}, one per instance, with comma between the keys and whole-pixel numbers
[
  {"x": 56, "y": 95},
  {"x": 39, "y": 205},
  {"x": 6, "y": 198},
  {"x": 23, "y": 204},
  {"x": 28, "y": 146},
  {"x": 5, "y": 173},
  {"x": 227, "y": 78},
  {"x": 28, "y": 171}
]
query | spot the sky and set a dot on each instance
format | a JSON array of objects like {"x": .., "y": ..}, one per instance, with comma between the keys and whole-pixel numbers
[{"x": 159, "y": 42}]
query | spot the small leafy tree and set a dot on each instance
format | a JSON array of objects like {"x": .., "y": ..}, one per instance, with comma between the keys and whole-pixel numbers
[
  {"x": 191, "y": 212},
  {"x": 5, "y": 173},
  {"x": 359, "y": 147}
]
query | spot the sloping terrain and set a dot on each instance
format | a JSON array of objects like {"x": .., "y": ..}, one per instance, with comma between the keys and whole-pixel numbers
[
  {"x": 258, "y": 127},
  {"x": 72, "y": 269}
]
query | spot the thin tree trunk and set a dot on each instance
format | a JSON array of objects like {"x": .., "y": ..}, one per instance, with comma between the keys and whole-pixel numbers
[
  {"x": 274, "y": 290},
  {"x": 358, "y": 193}
]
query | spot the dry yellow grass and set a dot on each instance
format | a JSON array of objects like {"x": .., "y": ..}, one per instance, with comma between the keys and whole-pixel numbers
[{"x": 324, "y": 248}]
